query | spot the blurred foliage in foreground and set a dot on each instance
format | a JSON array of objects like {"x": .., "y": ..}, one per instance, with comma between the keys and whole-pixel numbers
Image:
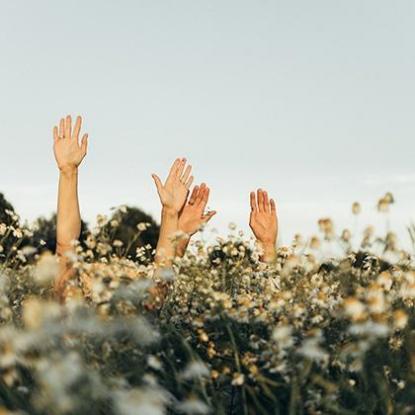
[{"x": 328, "y": 329}]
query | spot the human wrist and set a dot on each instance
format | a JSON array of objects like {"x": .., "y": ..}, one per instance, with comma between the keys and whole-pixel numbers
[
  {"x": 268, "y": 249},
  {"x": 169, "y": 212},
  {"x": 68, "y": 170},
  {"x": 182, "y": 245},
  {"x": 267, "y": 246},
  {"x": 186, "y": 234}
]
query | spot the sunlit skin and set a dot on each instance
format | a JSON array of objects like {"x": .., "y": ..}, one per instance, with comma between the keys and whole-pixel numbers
[
  {"x": 263, "y": 221},
  {"x": 179, "y": 213},
  {"x": 193, "y": 217},
  {"x": 173, "y": 194},
  {"x": 69, "y": 153}
]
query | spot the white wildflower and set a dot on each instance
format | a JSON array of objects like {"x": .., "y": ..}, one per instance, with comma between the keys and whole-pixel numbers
[
  {"x": 369, "y": 328},
  {"x": 311, "y": 349},
  {"x": 144, "y": 401},
  {"x": 193, "y": 406},
  {"x": 165, "y": 274},
  {"x": 238, "y": 379},
  {"x": 195, "y": 370},
  {"x": 283, "y": 336},
  {"x": 154, "y": 362},
  {"x": 142, "y": 330},
  {"x": 18, "y": 233},
  {"x": 400, "y": 319},
  {"x": 3, "y": 229},
  {"x": 47, "y": 269},
  {"x": 28, "y": 250},
  {"x": 142, "y": 226},
  {"x": 354, "y": 308}
]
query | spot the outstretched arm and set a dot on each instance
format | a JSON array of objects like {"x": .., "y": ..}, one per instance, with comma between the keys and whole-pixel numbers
[
  {"x": 264, "y": 223},
  {"x": 193, "y": 216},
  {"x": 173, "y": 194},
  {"x": 69, "y": 153}
]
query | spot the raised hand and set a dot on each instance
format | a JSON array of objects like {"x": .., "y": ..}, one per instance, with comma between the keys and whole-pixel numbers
[
  {"x": 193, "y": 216},
  {"x": 69, "y": 152},
  {"x": 173, "y": 193},
  {"x": 264, "y": 223}
]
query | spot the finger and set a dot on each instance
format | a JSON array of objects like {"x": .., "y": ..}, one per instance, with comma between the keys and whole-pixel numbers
[
  {"x": 77, "y": 128},
  {"x": 55, "y": 133},
  {"x": 194, "y": 195},
  {"x": 205, "y": 197},
  {"x": 68, "y": 126},
  {"x": 266, "y": 202},
  {"x": 273, "y": 207},
  {"x": 254, "y": 206},
  {"x": 203, "y": 187},
  {"x": 84, "y": 143},
  {"x": 175, "y": 165},
  {"x": 200, "y": 196},
  {"x": 173, "y": 169},
  {"x": 206, "y": 218},
  {"x": 180, "y": 168},
  {"x": 260, "y": 198},
  {"x": 188, "y": 184},
  {"x": 206, "y": 193},
  {"x": 158, "y": 183},
  {"x": 62, "y": 128},
  {"x": 186, "y": 174}
]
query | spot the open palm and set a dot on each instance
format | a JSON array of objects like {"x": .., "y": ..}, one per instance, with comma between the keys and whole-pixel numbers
[
  {"x": 69, "y": 152},
  {"x": 192, "y": 216},
  {"x": 174, "y": 191},
  {"x": 263, "y": 219}
]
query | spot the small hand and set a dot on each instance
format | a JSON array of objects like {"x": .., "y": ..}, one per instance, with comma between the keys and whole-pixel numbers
[
  {"x": 192, "y": 216},
  {"x": 174, "y": 192},
  {"x": 263, "y": 219},
  {"x": 69, "y": 153}
]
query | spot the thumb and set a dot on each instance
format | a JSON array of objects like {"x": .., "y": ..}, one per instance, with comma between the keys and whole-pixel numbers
[
  {"x": 84, "y": 143},
  {"x": 206, "y": 218},
  {"x": 158, "y": 183}
]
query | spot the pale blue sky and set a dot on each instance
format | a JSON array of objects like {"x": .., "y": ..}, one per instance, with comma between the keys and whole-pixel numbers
[{"x": 313, "y": 100}]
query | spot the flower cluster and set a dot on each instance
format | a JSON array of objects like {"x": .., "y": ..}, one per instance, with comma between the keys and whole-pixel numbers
[{"x": 219, "y": 332}]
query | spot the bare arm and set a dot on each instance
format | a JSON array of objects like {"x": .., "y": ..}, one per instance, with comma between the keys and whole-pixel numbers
[
  {"x": 264, "y": 224},
  {"x": 173, "y": 194},
  {"x": 69, "y": 153},
  {"x": 193, "y": 216}
]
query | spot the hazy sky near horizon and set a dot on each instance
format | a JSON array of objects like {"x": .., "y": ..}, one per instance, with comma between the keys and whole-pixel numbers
[{"x": 312, "y": 100}]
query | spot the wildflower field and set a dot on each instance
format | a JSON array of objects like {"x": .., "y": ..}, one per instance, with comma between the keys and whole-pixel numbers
[{"x": 219, "y": 333}]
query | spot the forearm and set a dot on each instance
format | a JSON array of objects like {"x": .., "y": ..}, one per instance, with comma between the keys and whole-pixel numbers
[
  {"x": 66, "y": 272},
  {"x": 68, "y": 228},
  {"x": 165, "y": 251},
  {"x": 269, "y": 251},
  {"x": 182, "y": 245}
]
